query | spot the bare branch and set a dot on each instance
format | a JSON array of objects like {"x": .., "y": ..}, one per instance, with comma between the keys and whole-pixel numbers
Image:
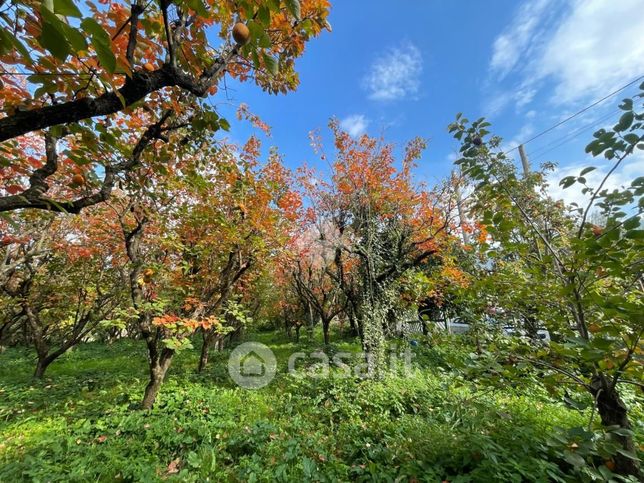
[{"x": 137, "y": 10}]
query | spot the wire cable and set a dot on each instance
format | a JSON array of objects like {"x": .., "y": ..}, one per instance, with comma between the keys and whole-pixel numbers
[
  {"x": 538, "y": 153},
  {"x": 578, "y": 113}
]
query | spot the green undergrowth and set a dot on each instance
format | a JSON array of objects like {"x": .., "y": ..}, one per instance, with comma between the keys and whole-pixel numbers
[{"x": 82, "y": 423}]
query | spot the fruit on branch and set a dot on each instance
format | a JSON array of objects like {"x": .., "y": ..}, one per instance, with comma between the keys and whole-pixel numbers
[
  {"x": 594, "y": 328},
  {"x": 477, "y": 141},
  {"x": 241, "y": 34},
  {"x": 597, "y": 230},
  {"x": 147, "y": 275},
  {"x": 78, "y": 180}
]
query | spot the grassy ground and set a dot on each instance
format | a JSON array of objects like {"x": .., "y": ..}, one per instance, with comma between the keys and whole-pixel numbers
[{"x": 82, "y": 423}]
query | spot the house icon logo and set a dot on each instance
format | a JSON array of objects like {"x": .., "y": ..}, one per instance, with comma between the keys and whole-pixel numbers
[{"x": 252, "y": 365}]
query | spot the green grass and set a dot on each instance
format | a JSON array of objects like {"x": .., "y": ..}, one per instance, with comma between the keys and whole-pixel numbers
[{"x": 82, "y": 423}]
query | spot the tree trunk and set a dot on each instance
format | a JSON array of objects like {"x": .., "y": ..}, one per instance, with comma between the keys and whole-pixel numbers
[
  {"x": 352, "y": 325},
  {"x": 613, "y": 412},
  {"x": 151, "y": 390},
  {"x": 208, "y": 340},
  {"x": 205, "y": 351},
  {"x": 158, "y": 371},
  {"x": 325, "y": 330},
  {"x": 45, "y": 358},
  {"x": 41, "y": 367}
]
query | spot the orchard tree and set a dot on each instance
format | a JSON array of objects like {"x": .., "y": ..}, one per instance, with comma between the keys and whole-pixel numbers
[
  {"x": 383, "y": 224},
  {"x": 310, "y": 267},
  {"x": 584, "y": 280},
  {"x": 235, "y": 215},
  {"x": 289, "y": 309},
  {"x": 62, "y": 291},
  {"x": 156, "y": 304},
  {"x": 82, "y": 82},
  {"x": 192, "y": 238}
]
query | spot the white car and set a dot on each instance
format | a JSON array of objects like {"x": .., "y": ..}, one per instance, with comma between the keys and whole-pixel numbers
[{"x": 542, "y": 333}]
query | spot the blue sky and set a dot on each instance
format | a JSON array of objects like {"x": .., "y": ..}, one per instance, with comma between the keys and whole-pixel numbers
[{"x": 406, "y": 70}]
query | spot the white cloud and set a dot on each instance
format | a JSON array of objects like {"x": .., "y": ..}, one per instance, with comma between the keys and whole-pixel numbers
[
  {"x": 518, "y": 39},
  {"x": 356, "y": 125},
  {"x": 519, "y": 96},
  {"x": 587, "y": 49},
  {"x": 623, "y": 176},
  {"x": 395, "y": 74},
  {"x": 597, "y": 48}
]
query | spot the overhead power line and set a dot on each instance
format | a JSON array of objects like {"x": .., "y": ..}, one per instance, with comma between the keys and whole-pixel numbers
[
  {"x": 546, "y": 148},
  {"x": 578, "y": 113}
]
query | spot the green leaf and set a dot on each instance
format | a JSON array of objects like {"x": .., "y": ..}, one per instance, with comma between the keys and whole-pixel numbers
[
  {"x": 632, "y": 138},
  {"x": 567, "y": 182},
  {"x": 626, "y": 105},
  {"x": 625, "y": 121},
  {"x": 93, "y": 28},
  {"x": 255, "y": 58},
  {"x": 7, "y": 39},
  {"x": 574, "y": 459},
  {"x": 224, "y": 124},
  {"x": 75, "y": 38},
  {"x": 67, "y": 8},
  {"x": 52, "y": 37},
  {"x": 587, "y": 170},
  {"x": 628, "y": 454},
  {"x": 635, "y": 234},
  {"x": 294, "y": 7},
  {"x": 632, "y": 223},
  {"x": 5, "y": 42},
  {"x": 264, "y": 15},
  {"x": 102, "y": 44},
  {"x": 105, "y": 56},
  {"x": 274, "y": 5},
  {"x": 594, "y": 147},
  {"x": 271, "y": 64},
  {"x": 258, "y": 34},
  {"x": 199, "y": 7},
  {"x": 622, "y": 432}
]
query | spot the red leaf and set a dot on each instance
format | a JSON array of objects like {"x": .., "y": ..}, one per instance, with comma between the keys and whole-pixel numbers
[{"x": 13, "y": 189}]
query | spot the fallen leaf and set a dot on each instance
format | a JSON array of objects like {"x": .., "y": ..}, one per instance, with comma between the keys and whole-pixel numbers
[{"x": 173, "y": 467}]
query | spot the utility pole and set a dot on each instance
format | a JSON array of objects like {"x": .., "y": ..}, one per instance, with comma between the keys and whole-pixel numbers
[
  {"x": 524, "y": 161},
  {"x": 461, "y": 212}
]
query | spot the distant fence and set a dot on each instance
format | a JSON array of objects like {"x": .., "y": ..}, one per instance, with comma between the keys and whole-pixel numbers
[{"x": 411, "y": 327}]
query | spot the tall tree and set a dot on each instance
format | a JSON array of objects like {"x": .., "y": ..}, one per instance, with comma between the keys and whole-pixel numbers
[
  {"x": 592, "y": 275},
  {"x": 383, "y": 225},
  {"x": 230, "y": 222}
]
